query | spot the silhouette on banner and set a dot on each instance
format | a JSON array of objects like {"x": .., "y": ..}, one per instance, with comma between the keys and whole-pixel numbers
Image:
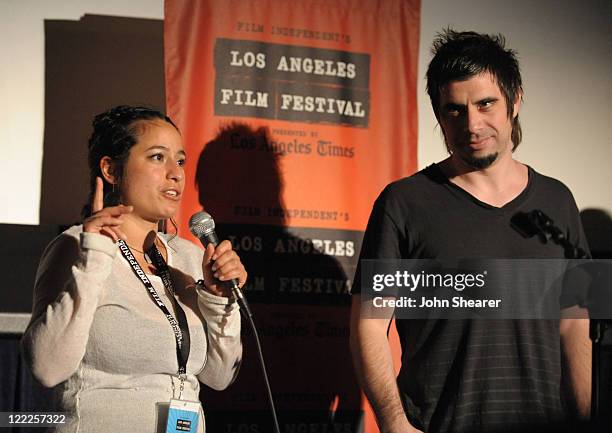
[{"x": 299, "y": 295}]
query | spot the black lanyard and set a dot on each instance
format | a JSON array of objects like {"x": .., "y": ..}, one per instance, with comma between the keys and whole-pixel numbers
[{"x": 179, "y": 325}]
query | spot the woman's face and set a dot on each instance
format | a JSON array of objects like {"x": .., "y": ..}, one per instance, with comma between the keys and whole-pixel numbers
[{"x": 154, "y": 175}]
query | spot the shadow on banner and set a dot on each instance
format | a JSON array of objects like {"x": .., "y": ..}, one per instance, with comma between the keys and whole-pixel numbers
[{"x": 299, "y": 295}]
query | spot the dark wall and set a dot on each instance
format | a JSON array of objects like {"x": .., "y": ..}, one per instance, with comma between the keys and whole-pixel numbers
[
  {"x": 24, "y": 245},
  {"x": 91, "y": 65}
]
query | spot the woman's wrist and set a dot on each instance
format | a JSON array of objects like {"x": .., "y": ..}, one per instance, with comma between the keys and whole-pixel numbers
[{"x": 201, "y": 284}]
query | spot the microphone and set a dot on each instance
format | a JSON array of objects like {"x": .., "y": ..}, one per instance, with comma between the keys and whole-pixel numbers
[
  {"x": 536, "y": 222},
  {"x": 202, "y": 226},
  {"x": 532, "y": 223}
]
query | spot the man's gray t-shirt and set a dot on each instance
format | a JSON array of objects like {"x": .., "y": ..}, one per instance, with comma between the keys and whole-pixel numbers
[{"x": 473, "y": 375}]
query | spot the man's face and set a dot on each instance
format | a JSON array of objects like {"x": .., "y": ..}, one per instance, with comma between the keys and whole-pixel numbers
[{"x": 474, "y": 119}]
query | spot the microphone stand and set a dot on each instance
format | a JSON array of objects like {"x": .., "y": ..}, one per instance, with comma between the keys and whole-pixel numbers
[{"x": 546, "y": 229}]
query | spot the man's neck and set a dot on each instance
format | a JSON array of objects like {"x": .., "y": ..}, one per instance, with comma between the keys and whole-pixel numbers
[{"x": 496, "y": 185}]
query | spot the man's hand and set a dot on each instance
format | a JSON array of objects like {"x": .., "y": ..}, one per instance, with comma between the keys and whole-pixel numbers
[
  {"x": 400, "y": 426},
  {"x": 374, "y": 368}
]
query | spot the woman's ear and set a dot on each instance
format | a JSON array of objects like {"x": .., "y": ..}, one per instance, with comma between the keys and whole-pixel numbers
[{"x": 108, "y": 170}]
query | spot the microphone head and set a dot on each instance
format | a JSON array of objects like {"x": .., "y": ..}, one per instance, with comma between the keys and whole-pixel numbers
[
  {"x": 201, "y": 223},
  {"x": 524, "y": 223}
]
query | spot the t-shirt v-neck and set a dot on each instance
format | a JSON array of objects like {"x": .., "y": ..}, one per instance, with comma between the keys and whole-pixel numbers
[{"x": 462, "y": 193}]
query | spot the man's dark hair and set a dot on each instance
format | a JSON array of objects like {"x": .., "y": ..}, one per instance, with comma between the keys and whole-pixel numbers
[{"x": 459, "y": 56}]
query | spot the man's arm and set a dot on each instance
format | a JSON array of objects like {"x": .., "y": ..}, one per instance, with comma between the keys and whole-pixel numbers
[
  {"x": 374, "y": 367},
  {"x": 576, "y": 361}
]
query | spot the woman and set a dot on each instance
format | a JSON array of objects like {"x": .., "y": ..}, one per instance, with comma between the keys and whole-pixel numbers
[{"x": 99, "y": 333}]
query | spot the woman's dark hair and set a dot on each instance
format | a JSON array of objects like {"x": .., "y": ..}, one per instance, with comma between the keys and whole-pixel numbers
[
  {"x": 114, "y": 133},
  {"x": 461, "y": 55}
]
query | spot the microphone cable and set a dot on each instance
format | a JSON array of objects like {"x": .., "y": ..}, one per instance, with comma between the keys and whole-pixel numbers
[{"x": 242, "y": 303}]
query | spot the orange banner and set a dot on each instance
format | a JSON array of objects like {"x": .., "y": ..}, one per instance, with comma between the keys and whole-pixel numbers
[
  {"x": 330, "y": 87},
  {"x": 295, "y": 115}
]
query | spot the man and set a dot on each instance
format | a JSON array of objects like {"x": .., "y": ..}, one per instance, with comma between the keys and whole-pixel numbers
[{"x": 472, "y": 375}]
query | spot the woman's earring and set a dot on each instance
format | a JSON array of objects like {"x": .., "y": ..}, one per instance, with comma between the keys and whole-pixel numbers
[{"x": 113, "y": 196}]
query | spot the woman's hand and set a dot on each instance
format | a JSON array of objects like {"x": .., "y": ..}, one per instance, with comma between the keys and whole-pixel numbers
[
  {"x": 221, "y": 263},
  {"x": 106, "y": 221}
]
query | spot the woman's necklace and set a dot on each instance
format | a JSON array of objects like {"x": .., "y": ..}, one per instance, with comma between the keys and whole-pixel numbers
[{"x": 145, "y": 255}]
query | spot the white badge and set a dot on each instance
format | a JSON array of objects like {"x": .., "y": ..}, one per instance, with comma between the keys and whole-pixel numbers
[{"x": 183, "y": 416}]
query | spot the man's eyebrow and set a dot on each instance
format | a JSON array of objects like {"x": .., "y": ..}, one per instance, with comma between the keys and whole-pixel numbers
[
  {"x": 488, "y": 99},
  {"x": 452, "y": 105}
]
